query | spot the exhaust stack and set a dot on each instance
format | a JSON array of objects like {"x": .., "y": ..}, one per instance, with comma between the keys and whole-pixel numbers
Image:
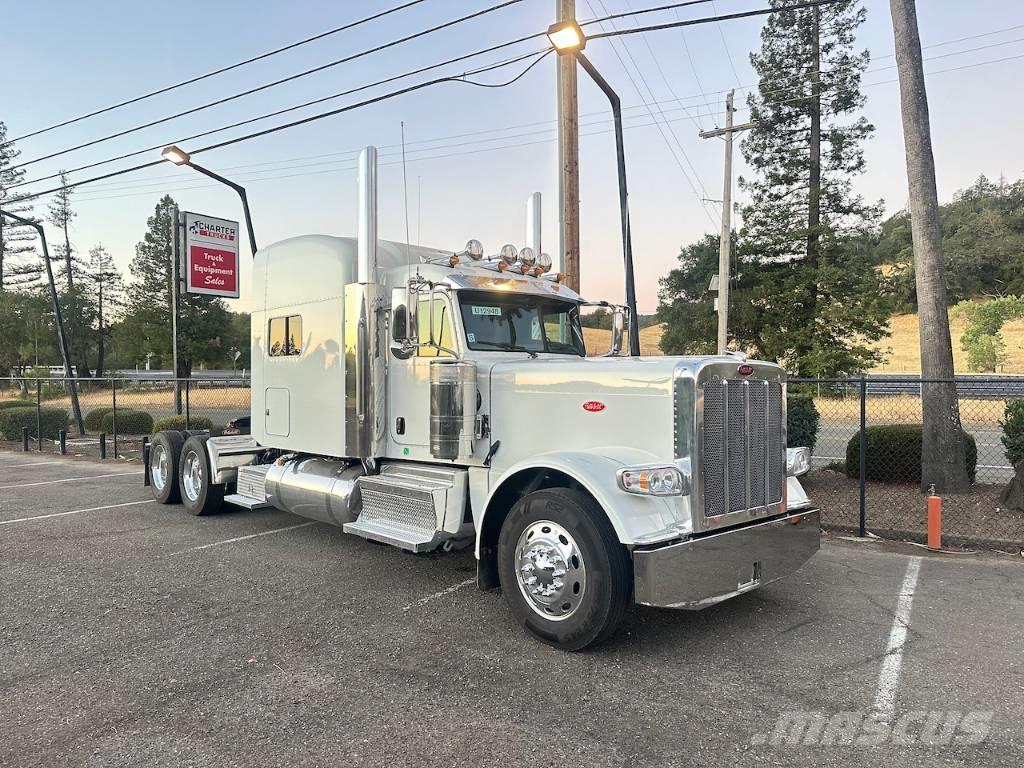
[
  {"x": 366, "y": 271},
  {"x": 533, "y": 222}
]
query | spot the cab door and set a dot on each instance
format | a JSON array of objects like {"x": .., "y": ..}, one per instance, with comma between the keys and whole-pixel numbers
[{"x": 409, "y": 379}]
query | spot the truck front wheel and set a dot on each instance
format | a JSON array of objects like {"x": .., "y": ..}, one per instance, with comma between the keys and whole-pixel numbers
[
  {"x": 563, "y": 572},
  {"x": 198, "y": 493}
]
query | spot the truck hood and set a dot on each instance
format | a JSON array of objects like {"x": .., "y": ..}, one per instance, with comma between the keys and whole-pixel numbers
[{"x": 583, "y": 404}]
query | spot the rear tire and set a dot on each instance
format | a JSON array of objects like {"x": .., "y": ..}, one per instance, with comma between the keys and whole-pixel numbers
[
  {"x": 563, "y": 572},
  {"x": 198, "y": 493},
  {"x": 164, "y": 457}
]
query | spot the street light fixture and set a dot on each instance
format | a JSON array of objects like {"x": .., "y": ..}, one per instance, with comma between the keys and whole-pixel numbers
[
  {"x": 178, "y": 156},
  {"x": 568, "y": 40},
  {"x": 566, "y": 37}
]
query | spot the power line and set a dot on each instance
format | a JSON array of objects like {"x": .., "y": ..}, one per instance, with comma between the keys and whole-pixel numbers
[
  {"x": 293, "y": 124},
  {"x": 274, "y": 83},
  {"x": 220, "y": 71}
]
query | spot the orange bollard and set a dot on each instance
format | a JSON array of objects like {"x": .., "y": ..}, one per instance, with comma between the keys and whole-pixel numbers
[{"x": 934, "y": 520}]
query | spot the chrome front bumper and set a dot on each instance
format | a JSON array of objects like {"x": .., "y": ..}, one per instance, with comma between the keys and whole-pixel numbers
[{"x": 703, "y": 571}]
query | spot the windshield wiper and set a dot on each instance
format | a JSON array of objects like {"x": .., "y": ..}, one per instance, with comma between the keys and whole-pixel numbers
[{"x": 507, "y": 347}]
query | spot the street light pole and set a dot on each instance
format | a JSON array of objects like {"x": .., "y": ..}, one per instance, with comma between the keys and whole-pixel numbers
[
  {"x": 627, "y": 237},
  {"x": 179, "y": 156},
  {"x": 569, "y": 41},
  {"x": 58, "y": 317}
]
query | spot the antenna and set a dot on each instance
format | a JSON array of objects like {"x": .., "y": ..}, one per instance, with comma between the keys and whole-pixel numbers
[{"x": 405, "y": 191}]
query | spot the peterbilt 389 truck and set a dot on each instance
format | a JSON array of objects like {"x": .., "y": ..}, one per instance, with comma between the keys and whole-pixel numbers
[{"x": 434, "y": 399}]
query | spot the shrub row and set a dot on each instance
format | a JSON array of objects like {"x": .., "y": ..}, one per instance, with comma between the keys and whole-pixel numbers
[
  {"x": 1013, "y": 431},
  {"x": 802, "y": 420},
  {"x": 129, "y": 422},
  {"x": 94, "y": 418},
  {"x": 5, "y": 404},
  {"x": 51, "y": 420},
  {"x": 894, "y": 453},
  {"x": 177, "y": 423}
]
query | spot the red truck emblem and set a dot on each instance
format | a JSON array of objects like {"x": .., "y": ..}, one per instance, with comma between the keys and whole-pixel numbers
[{"x": 593, "y": 406}]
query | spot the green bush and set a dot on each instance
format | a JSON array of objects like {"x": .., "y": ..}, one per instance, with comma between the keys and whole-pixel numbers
[
  {"x": 129, "y": 422},
  {"x": 1013, "y": 430},
  {"x": 94, "y": 419},
  {"x": 4, "y": 404},
  {"x": 802, "y": 420},
  {"x": 894, "y": 453},
  {"x": 177, "y": 423},
  {"x": 52, "y": 421}
]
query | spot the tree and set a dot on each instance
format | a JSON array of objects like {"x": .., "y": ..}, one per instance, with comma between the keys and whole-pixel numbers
[
  {"x": 107, "y": 295},
  {"x": 942, "y": 450},
  {"x": 805, "y": 149},
  {"x": 18, "y": 267},
  {"x": 983, "y": 340},
  {"x": 60, "y": 215},
  {"x": 204, "y": 321},
  {"x": 685, "y": 307}
]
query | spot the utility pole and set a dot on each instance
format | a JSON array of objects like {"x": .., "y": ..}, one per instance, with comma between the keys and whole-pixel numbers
[
  {"x": 725, "y": 240},
  {"x": 942, "y": 449},
  {"x": 568, "y": 158}
]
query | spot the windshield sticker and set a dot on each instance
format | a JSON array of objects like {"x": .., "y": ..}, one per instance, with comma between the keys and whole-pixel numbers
[
  {"x": 472, "y": 337},
  {"x": 478, "y": 310}
]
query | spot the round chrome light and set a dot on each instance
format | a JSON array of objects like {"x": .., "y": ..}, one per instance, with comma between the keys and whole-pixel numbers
[
  {"x": 474, "y": 250},
  {"x": 544, "y": 263},
  {"x": 508, "y": 254},
  {"x": 527, "y": 257}
]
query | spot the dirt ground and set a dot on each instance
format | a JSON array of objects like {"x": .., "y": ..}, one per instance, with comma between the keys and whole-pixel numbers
[{"x": 897, "y": 511}]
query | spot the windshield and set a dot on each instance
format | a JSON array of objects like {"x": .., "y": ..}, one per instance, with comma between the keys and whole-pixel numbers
[{"x": 518, "y": 323}]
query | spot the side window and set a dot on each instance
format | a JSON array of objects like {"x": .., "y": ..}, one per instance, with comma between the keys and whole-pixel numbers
[
  {"x": 285, "y": 336},
  {"x": 442, "y": 328}
]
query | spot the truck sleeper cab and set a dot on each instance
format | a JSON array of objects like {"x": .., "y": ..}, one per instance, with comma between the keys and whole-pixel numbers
[{"x": 428, "y": 399}]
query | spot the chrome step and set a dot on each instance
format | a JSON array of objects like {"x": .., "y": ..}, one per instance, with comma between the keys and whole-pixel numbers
[
  {"x": 250, "y": 487},
  {"x": 414, "y": 507}
]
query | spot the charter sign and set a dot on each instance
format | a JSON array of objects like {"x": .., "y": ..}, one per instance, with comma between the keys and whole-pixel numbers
[{"x": 211, "y": 256}]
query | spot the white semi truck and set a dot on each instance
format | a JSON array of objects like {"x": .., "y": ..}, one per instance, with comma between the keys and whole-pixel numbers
[{"x": 429, "y": 399}]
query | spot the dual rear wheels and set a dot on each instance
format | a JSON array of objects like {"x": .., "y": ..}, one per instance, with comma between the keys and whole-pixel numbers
[{"x": 179, "y": 470}]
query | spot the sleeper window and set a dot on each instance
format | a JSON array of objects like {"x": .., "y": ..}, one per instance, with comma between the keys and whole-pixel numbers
[{"x": 285, "y": 336}]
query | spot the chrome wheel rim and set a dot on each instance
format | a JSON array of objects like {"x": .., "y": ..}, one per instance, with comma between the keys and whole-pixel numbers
[
  {"x": 192, "y": 477},
  {"x": 158, "y": 469},
  {"x": 550, "y": 570}
]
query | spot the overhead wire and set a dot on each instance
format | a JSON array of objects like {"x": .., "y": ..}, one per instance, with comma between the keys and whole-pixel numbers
[
  {"x": 198, "y": 78},
  {"x": 280, "y": 81}
]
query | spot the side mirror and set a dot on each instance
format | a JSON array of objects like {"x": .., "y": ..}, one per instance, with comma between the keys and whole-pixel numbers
[
  {"x": 404, "y": 325},
  {"x": 619, "y": 326}
]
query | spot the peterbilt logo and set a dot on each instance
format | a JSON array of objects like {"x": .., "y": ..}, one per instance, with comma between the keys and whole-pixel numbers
[
  {"x": 745, "y": 370},
  {"x": 593, "y": 406}
]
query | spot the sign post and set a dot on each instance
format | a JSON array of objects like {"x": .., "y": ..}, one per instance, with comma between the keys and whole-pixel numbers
[{"x": 210, "y": 264}]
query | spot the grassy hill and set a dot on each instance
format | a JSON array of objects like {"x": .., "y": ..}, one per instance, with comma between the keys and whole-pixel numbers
[
  {"x": 598, "y": 340},
  {"x": 905, "y": 354}
]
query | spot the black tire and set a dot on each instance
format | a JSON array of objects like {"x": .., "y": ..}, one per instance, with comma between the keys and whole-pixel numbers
[
  {"x": 602, "y": 573},
  {"x": 198, "y": 495},
  {"x": 164, "y": 458}
]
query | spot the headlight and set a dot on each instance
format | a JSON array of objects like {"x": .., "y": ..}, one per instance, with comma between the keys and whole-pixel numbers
[
  {"x": 798, "y": 461},
  {"x": 653, "y": 481}
]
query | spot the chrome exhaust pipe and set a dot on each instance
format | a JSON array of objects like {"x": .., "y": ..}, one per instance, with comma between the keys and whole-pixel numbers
[{"x": 366, "y": 270}]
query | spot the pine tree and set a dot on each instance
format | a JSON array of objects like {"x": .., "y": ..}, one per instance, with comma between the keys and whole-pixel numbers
[
  {"x": 106, "y": 294},
  {"x": 19, "y": 264},
  {"x": 60, "y": 215},
  {"x": 203, "y": 321},
  {"x": 803, "y": 216}
]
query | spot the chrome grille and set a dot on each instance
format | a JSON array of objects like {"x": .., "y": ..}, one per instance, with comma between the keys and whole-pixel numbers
[{"x": 743, "y": 457}]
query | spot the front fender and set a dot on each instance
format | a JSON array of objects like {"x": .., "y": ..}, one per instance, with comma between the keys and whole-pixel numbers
[{"x": 636, "y": 519}]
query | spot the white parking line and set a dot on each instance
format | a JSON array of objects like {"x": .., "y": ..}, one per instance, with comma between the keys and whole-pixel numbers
[
  {"x": 75, "y": 512},
  {"x": 16, "y": 465},
  {"x": 71, "y": 480},
  {"x": 889, "y": 676},
  {"x": 243, "y": 538},
  {"x": 442, "y": 593}
]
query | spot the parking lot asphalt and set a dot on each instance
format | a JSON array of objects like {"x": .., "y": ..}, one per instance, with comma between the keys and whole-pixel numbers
[{"x": 135, "y": 634}]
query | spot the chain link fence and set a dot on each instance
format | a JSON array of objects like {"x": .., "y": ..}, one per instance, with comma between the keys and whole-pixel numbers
[
  {"x": 117, "y": 413},
  {"x": 882, "y": 495}
]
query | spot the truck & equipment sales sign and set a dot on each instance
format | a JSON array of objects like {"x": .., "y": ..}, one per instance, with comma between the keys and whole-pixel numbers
[{"x": 211, "y": 256}]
